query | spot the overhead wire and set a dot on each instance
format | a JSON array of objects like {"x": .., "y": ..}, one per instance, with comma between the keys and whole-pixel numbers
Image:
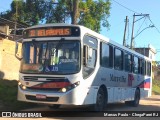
[
  {"x": 125, "y": 7},
  {"x": 13, "y": 23},
  {"x": 154, "y": 25},
  {"x": 136, "y": 13},
  {"x": 141, "y": 25}
]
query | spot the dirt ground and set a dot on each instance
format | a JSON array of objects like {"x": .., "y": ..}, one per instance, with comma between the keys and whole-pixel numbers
[
  {"x": 152, "y": 103},
  {"x": 149, "y": 104}
]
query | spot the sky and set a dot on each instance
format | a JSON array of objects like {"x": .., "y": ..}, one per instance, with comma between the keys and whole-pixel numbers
[
  {"x": 118, "y": 13},
  {"x": 148, "y": 36}
]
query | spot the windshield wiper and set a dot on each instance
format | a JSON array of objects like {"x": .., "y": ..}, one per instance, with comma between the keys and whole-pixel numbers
[{"x": 58, "y": 45}]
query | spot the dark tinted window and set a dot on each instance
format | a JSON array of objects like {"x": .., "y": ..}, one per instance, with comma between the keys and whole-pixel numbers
[
  {"x": 143, "y": 69},
  {"x": 135, "y": 64},
  {"x": 118, "y": 59},
  {"x": 148, "y": 68},
  {"x": 106, "y": 55},
  {"x": 127, "y": 58}
]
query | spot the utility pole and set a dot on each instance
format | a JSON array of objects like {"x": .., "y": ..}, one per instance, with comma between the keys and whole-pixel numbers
[
  {"x": 132, "y": 31},
  {"x": 132, "y": 37},
  {"x": 124, "y": 37}
]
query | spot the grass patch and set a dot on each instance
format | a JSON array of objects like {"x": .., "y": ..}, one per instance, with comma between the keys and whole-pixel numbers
[
  {"x": 8, "y": 96},
  {"x": 156, "y": 87}
]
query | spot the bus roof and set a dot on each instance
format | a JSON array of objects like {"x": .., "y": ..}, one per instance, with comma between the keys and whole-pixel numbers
[
  {"x": 103, "y": 38},
  {"x": 50, "y": 25},
  {"x": 93, "y": 33}
]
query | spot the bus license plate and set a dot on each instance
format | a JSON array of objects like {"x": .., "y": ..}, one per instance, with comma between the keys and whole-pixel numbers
[{"x": 38, "y": 96}]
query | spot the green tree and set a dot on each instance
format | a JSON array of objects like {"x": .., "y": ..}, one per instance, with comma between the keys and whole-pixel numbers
[
  {"x": 56, "y": 11},
  {"x": 16, "y": 12},
  {"x": 93, "y": 14},
  {"x": 26, "y": 11},
  {"x": 34, "y": 11},
  {"x": 90, "y": 13}
]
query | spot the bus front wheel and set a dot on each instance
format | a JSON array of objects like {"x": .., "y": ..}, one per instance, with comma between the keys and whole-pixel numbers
[{"x": 101, "y": 100}]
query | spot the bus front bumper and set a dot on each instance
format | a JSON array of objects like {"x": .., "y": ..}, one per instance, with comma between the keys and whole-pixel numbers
[{"x": 45, "y": 97}]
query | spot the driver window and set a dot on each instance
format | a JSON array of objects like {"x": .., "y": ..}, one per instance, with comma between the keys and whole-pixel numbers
[
  {"x": 91, "y": 58},
  {"x": 89, "y": 55}
]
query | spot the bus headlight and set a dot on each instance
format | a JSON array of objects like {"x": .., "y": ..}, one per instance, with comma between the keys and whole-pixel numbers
[
  {"x": 63, "y": 89},
  {"x": 19, "y": 83},
  {"x": 67, "y": 88},
  {"x": 21, "y": 86}
]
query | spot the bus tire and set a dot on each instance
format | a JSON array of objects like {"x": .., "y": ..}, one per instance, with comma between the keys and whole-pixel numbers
[
  {"x": 55, "y": 106},
  {"x": 135, "y": 102},
  {"x": 100, "y": 100}
]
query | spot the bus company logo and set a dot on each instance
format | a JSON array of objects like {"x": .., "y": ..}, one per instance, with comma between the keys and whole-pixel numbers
[
  {"x": 27, "y": 83},
  {"x": 117, "y": 78},
  {"x": 6, "y": 114}
]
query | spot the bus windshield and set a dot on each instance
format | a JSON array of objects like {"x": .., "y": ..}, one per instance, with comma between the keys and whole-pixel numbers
[{"x": 59, "y": 57}]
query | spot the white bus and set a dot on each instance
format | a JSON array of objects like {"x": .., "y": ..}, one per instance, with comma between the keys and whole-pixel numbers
[{"x": 66, "y": 64}]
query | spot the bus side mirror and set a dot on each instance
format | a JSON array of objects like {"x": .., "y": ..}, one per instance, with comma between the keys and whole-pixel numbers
[
  {"x": 16, "y": 51},
  {"x": 85, "y": 54},
  {"x": 16, "y": 48}
]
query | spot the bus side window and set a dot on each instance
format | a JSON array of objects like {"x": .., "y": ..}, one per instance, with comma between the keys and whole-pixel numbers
[
  {"x": 89, "y": 60},
  {"x": 106, "y": 59},
  {"x": 148, "y": 68},
  {"x": 142, "y": 67},
  {"x": 90, "y": 45},
  {"x": 110, "y": 56},
  {"x": 85, "y": 54},
  {"x": 145, "y": 68},
  {"x": 135, "y": 64},
  {"x": 139, "y": 66},
  {"x": 118, "y": 59},
  {"x": 128, "y": 64}
]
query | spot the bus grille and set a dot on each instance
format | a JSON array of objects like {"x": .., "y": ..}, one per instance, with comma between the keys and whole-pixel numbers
[
  {"x": 48, "y": 99},
  {"x": 44, "y": 89},
  {"x": 36, "y": 78}
]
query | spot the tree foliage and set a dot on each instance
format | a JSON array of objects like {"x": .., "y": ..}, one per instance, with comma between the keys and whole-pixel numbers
[
  {"x": 94, "y": 13},
  {"x": 28, "y": 11},
  {"x": 90, "y": 13},
  {"x": 35, "y": 11}
]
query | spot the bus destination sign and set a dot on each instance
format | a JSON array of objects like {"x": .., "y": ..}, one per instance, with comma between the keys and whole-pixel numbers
[
  {"x": 49, "y": 32},
  {"x": 52, "y": 32}
]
